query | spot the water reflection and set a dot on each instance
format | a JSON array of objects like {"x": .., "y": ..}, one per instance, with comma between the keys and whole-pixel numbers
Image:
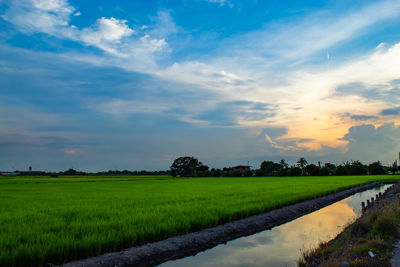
[{"x": 281, "y": 245}]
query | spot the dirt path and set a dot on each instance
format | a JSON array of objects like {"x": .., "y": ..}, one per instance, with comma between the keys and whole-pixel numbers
[{"x": 181, "y": 246}]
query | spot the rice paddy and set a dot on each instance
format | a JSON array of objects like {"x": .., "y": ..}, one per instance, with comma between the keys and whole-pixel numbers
[{"x": 53, "y": 220}]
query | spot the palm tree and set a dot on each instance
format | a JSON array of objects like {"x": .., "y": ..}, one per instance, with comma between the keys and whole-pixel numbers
[
  {"x": 283, "y": 163},
  {"x": 302, "y": 162}
]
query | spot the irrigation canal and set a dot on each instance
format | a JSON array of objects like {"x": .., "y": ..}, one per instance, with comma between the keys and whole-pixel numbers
[{"x": 282, "y": 245}]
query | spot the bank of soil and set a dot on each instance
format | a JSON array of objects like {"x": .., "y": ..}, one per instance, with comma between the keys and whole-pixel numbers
[
  {"x": 370, "y": 241},
  {"x": 190, "y": 244}
]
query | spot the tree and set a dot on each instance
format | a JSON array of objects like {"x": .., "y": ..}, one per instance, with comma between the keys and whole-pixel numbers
[
  {"x": 185, "y": 167},
  {"x": 73, "y": 172},
  {"x": 312, "y": 169},
  {"x": 324, "y": 171},
  {"x": 225, "y": 174},
  {"x": 302, "y": 162},
  {"x": 376, "y": 168},
  {"x": 235, "y": 173},
  {"x": 268, "y": 167},
  {"x": 281, "y": 172},
  {"x": 330, "y": 166},
  {"x": 258, "y": 173},
  {"x": 394, "y": 167},
  {"x": 357, "y": 168},
  {"x": 294, "y": 171},
  {"x": 340, "y": 170},
  {"x": 283, "y": 163},
  {"x": 202, "y": 170},
  {"x": 351, "y": 168},
  {"x": 215, "y": 172},
  {"x": 248, "y": 173}
]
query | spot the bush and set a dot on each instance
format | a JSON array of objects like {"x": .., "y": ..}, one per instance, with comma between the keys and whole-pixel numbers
[
  {"x": 235, "y": 173},
  {"x": 294, "y": 171},
  {"x": 340, "y": 170},
  {"x": 225, "y": 174},
  {"x": 325, "y": 171},
  {"x": 360, "y": 250},
  {"x": 201, "y": 174},
  {"x": 375, "y": 168},
  {"x": 312, "y": 169},
  {"x": 281, "y": 172},
  {"x": 384, "y": 227},
  {"x": 259, "y": 173},
  {"x": 248, "y": 173},
  {"x": 215, "y": 172}
]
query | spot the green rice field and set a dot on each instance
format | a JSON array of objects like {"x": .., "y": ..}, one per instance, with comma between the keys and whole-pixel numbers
[{"x": 53, "y": 220}]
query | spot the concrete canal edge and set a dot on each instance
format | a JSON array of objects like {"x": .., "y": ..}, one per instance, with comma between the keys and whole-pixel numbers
[
  {"x": 152, "y": 254},
  {"x": 362, "y": 243}
]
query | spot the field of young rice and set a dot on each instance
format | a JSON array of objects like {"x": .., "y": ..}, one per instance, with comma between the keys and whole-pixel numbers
[{"x": 53, "y": 220}]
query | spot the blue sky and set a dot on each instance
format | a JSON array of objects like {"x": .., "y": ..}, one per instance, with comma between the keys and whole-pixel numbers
[{"x": 98, "y": 85}]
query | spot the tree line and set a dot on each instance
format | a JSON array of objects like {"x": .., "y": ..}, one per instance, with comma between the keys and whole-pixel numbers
[{"x": 192, "y": 167}]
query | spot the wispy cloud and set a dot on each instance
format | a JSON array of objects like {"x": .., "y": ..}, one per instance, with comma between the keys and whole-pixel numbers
[
  {"x": 303, "y": 91},
  {"x": 221, "y": 2},
  {"x": 111, "y": 35},
  {"x": 105, "y": 33},
  {"x": 276, "y": 77},
  {"x": 43, "y": 16}
]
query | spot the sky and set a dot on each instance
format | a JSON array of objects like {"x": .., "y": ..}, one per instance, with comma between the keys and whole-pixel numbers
[{"x": 97, "y": 85}]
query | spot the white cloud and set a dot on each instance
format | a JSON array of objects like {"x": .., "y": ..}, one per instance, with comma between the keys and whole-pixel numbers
[
  {"x": 290, "y": 44},
  {"x": 106, "y": 34},
  {"x": 47, "y": 16},
  {"x": 270, "y": 65},
  {"x": 106, "y": 30},
  {"x": 153, "y": 44},
  {"x": 57, "y": 6},
  {"x": 278, "y": 146},
  {"x": 246, "y": 69},
  {"x": 111, "y": 35},
  {"x": 207, "y": 75}
]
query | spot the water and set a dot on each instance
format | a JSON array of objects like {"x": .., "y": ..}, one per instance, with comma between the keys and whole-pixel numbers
[{"x": 282, "y": 245}]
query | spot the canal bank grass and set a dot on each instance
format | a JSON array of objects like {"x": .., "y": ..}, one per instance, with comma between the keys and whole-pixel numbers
[
  {"x": 374, "y": 232},
  {"x": 53, "y": 220}
]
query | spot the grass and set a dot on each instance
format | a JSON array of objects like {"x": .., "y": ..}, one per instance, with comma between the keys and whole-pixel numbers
[
  {"x": 53, "y": 220},
  {"x": 375, "y": 231}
]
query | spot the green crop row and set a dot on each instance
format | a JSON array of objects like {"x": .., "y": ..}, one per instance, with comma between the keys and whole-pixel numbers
[{"x": 53, "y": 220}]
